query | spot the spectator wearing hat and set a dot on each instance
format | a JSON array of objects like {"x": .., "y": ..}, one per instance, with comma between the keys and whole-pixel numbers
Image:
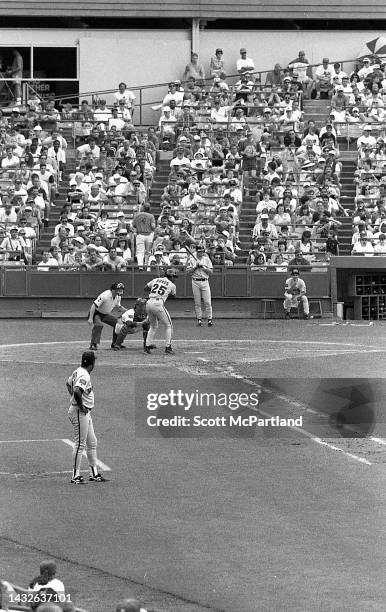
[
  {"x": 159, "y": 261},
  {"x": 194, "y": 69},
  {"x": 263, "y": 225},
  {"x": 301, "y": 69},
  {"x": 366, "y": 140},
  {"x": 295, "y": 293},
  {"x": 13, "y": 246},
  {"x": 363, "y": 246},
  {"x": 167, "y": 126},
  {"x": 366, "y": 69},
  {"x": 323, "y": 79},
  {"x": 244, "y": 63}
]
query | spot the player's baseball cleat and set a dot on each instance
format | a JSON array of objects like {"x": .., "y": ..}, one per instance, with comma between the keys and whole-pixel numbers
[
  {"x": 98, "y": 478},
  {"x": 152, "y": 346},
  {"x": 147, "y": 350},
  {"x": 93, "y": 347},
  {"x": 169, "y": 350},
  {"x": 77, "y": 480},
  {"x": 199, "y": 323},
  {"x": 308, "y": 317},
  {"x": 210, "y": 323},
  {"x": 115, "y": 347},
  {"x": 287, "y": 316},
  {"x": 123, "y": 347}
]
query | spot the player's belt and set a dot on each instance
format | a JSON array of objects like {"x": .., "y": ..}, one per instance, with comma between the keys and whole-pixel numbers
[
  {"x": 199, "y": 279},
  {"x": 157, "y": 299}
]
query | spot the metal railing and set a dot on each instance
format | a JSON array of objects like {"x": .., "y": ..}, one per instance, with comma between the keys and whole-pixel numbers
[{"x": 141, "y": 90}]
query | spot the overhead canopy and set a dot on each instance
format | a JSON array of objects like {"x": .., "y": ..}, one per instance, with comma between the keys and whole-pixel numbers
[{"x": 214, "y": 9}]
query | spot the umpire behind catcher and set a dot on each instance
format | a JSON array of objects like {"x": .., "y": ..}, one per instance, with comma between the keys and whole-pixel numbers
[
  {"x": 100, "y": 312},
  {"x": 200, "y": 267}
]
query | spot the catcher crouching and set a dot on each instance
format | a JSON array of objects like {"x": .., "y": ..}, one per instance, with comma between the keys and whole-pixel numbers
[{"x": 130, "y": 322}]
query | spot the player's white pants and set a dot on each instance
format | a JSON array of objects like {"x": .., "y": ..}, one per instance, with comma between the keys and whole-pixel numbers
[
  {"x": 143, "y": 244},
  {"x": 157, "y": 313},
  {"x": 84, "y": 438},
  {"x": 201, "y": 292},
  {"x": 291, "y": 302}
]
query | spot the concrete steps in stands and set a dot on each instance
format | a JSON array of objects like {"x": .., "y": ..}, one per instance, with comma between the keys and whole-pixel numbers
[
  {"x": 316, "y": 110},
  {"x": 348, "y": 193}
]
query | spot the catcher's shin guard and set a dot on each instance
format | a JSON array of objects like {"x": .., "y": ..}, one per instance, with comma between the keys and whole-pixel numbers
[
  {"x": 145, "y": 331},
  {"x": 121, "y": 336}
]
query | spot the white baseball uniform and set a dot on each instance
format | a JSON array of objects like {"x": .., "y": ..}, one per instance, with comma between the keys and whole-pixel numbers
[{"x": 160, "y": 289}]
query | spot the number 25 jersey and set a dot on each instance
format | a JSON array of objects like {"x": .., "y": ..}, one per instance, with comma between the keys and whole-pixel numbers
[{"x": 161, "y": 288}]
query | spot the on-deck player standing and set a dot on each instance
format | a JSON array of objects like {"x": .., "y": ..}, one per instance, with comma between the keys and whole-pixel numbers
[
  {"x": 82, "y": 402},
  {"x": 100, "y": 312},
  {"x": 201, "y": 267},
  {"x": 160, "y": 289}
]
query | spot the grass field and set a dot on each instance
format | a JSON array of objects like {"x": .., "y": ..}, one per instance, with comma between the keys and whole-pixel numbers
[{"x": 215, "y": 520}]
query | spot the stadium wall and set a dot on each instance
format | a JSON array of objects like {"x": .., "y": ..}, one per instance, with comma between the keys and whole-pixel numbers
[{"x": 237, "y": 292}]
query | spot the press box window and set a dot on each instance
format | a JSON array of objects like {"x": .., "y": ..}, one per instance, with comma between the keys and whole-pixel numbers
[{"x": 55, "y": 63}]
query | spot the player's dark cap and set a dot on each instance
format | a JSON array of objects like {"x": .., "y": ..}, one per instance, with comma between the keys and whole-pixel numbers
[
  {"x": 49, "y": 566},
  {"x": 88, "y": 358},
  {"x": 128, "y": 605},
  {"x": 200, "y": 247},
  {"x": 170, "y": 273},
  {"x": 117, "y": 287},
  {"x": 295, "y": 272}
]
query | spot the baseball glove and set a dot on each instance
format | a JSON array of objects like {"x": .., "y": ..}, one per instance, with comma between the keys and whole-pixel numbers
[{"x": 140, "y": 310}]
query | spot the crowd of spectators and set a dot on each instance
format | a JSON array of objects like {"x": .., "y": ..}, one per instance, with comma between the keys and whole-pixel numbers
[
  {"x": 227, "y": 142},
  {"x": 369, "y": 218}
]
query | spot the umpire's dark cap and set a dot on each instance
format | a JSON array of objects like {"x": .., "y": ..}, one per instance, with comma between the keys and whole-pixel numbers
[
  {"x": 117, "y": 286},
  {"x": 88, "y": 358}
]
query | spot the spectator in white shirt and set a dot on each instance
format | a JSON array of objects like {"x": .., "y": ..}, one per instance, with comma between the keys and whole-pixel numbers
[
  {"x": 244, "y": 64},
  {"x": 125, "y": 94},
  {"x": 363, "y": 246}
]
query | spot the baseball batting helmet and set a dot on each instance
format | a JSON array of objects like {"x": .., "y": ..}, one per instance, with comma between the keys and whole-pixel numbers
[
  {"x": 88, "y": 358},
  {"x": 295, "y": 271},
  {"x": 170, "y": 273},
  {"x": 117, "y": 287}
]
